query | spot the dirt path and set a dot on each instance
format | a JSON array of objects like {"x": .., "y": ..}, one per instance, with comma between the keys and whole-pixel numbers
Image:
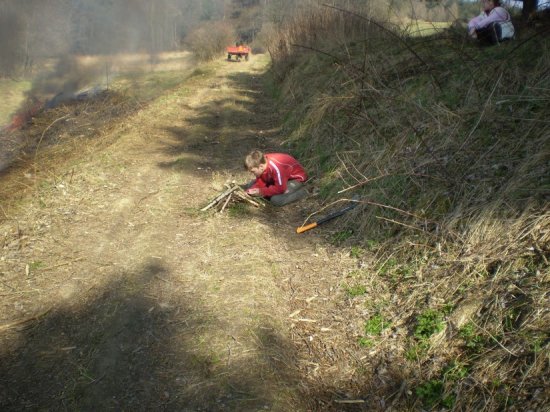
[{"x": 117, "y": 294}]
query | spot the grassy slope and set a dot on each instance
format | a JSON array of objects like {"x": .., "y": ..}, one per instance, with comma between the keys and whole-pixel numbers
[{"x": 447, "y": 145}]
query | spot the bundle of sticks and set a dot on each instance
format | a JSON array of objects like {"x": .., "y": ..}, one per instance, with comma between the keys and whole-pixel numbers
[{"x": 233, "y": 194}]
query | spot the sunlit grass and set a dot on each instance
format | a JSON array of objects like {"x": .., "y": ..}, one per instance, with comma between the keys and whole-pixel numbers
[
  {"x": 418, "y": 28},
  {"x": 135, "y": 74},
  {"x": 13, "y": 94}
]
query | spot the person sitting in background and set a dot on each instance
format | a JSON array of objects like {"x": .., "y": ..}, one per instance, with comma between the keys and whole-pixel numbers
[
  {"x": 279, "y": 177},
  {"x": 493, "y": 25}
]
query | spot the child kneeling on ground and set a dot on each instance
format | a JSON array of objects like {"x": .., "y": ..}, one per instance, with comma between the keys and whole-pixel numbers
[{"x": 279, "y": 177}]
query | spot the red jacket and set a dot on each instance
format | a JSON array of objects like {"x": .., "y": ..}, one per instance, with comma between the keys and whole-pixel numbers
[{"x": 280, "y": 168}]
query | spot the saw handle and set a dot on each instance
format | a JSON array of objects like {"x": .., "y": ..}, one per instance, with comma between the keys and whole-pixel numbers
[{"x": 302, "y": 229}]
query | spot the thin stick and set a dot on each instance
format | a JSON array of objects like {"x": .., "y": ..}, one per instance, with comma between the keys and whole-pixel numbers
[
  {"x": 4, "y": 212},
  {"x": 495, "y": 339},
  {"x": 364, "y": 182},
  {"x": 60, "y": 264},
  {"x": 246, "y": 198},
  {"x": 44, "y": 132},
  {"x": 19, "y": 322},
  {"x": 226, "y": 202},
  {"x": 4, "y": 283},
  {"x": 400, "y": 223},
  {"x": 368, "y": 202},
  {"x": 351, "y": 401},
  {"x": 220, "y": 197}
]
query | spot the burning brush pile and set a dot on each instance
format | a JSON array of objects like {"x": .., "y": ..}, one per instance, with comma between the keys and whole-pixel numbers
[
  {"x": 232, "y": 195},
  {"x": 24, "y": 115},
  {"x": 35, "y": 106},
  {"x": 64, "y": 117}
]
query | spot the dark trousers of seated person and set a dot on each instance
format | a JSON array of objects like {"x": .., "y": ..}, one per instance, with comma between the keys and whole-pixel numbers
[
  {"x": 294, "y": 191},
  {"x": 489, "y": 35}
]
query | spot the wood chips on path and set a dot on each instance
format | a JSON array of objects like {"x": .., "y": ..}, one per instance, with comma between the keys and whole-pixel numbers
[{"x": 117, "y": 294}]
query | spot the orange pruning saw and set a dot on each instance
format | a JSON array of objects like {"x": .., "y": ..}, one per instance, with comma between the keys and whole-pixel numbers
[{"x": 328, "y": 217}]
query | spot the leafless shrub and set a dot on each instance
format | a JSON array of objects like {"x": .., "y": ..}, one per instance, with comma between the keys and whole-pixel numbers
[{"x": 209, "y": 40}]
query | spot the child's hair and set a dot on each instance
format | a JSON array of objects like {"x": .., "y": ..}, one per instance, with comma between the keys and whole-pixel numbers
[
  {"x": 496, "y": 3},
  {"x": 254, "y": 159}
]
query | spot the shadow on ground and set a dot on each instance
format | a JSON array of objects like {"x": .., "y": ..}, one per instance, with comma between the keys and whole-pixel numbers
[
  {"x": 121, "y": 350},
  {"x": 221, "y": 132}
]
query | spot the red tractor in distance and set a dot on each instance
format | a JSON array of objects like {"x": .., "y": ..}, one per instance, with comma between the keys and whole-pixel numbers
[{"x": 238, "y": 51}]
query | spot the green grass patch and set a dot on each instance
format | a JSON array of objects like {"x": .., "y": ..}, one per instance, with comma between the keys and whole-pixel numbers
[
  {"x": 194, "y": 212},
  {"x": 37, "y": 264},
  {"x": 387, "y": 266},
  {"x": 372, "y": 245},
  {"x": 396, "y": 273},
  {"x": 238, "y": 210},
  {"x": 473, "y": 341},
  {"x": 365, "y": 342},
  {"x": 537, "y": 344},
  {"x": 417, "y": 350},
  {"x": 356, "y": 252},
  {"x": 355, "y": 290},
  {"x": 272, "y": 88},
  {"x": 147, "y": 86},
  {"x": 432, "y": 393},
  {"x": 201, "y": 72},
  {"x": 328, "y": 186},
  {"x": 428, "y": 323},
  {"x": 341, "y": 236},
  {"x": 455, "y": 371},
  {"x": 180, "y": 163},
  {"x": 376, "y": 325}
]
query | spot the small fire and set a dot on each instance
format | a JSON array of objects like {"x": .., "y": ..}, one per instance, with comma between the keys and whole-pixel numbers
[{"x": 24, "y": 116}]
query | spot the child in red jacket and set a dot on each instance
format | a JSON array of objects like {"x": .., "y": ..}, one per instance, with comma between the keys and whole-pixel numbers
[{"x": 279, "y": 177}]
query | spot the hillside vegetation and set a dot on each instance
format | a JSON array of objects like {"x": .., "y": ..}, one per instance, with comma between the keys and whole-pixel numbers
[{"x": 446, "y": 145}]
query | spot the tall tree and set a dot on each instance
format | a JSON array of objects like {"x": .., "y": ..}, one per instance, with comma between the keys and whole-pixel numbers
[{"x": 529, "y": 7}]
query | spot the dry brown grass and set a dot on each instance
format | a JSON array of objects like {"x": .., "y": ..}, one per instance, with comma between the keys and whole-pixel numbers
[
  {"x": 59, "y": 133},
  {"x": 445, "y": 143}
]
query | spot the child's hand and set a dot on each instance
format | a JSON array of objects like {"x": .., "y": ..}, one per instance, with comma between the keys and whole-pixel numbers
[{"x": 253, "y": 192}]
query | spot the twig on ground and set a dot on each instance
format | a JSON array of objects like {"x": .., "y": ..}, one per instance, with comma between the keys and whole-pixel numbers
[
  {"x": 233, "y": 193},
  {"x": 226, "y": 202},
  {"x": 495, "y": 339},
  {"x": 219, "y": 198},
  {"x": 22, "y": 321},
  {"x": 246, "y": 198},
  {"x": 349, "y": 401},
  {"x": 45, "y": 130},
  {"x": 400, "y": 223},
  {"x": 60, "y": 264}
]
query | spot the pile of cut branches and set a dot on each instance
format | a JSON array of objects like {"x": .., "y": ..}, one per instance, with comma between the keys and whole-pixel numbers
[{"x": 233, "y": 194}]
